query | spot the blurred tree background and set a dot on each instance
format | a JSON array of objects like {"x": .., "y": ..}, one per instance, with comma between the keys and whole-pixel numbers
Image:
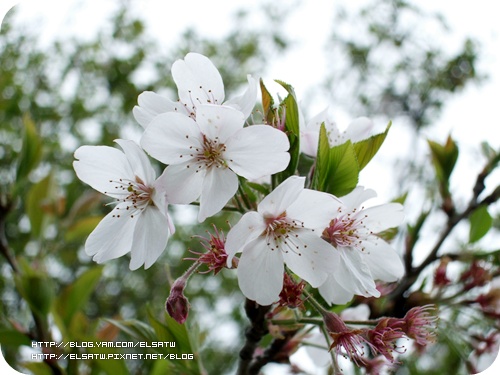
[{"x": 77, "y": 92}]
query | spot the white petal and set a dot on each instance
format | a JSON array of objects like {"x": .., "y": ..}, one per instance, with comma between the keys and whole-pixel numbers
[
  {"x": 219, "y": 186},
  {"x": 112, "y": 237},
  {"x": 354, "y": 275},
  {"x": 278, "y": 201},
  {"x": 355, "y": 198},
  {"x": 309, "y": 142},
  {"x": 315, "y": 122},
  {"x": 260, "y": 272},
  {"x": 359, "y": 129},
  {"x": 151, "y": 104},
  {"x": 257, "y": 151},
  {"x": 198, "y": 80},
  {"x": 245, "y": 102},
  {"x": 150, "y": 238},
  {"x": 314, "y": 208},
  {"x": 98, "y": 165},
  {"x": 250, "y": 226},
  {"x": 172, "y": 138},
  {"x": 333, "y": 292},
  {"x": 316, "y": 348},
  {"x": 141, "y": 166},
  {"x": 219, "y": 122},
  {"x": 383, "y": 261},
  {"x": 308, "y": 256},
  {"x": 360, "y": 312},
  {"x": 159, "y": 195},
  {"x": 181, "y": 184},
  {"x": 385, "y": 216}
]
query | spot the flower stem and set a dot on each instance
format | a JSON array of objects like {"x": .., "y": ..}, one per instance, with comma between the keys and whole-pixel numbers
[
  {"x": 244, "y": 198},
  {"x": 319, "y": 308},
  {"x": 291, "y": 322}
]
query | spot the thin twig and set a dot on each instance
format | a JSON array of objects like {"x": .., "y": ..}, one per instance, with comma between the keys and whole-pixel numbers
[{"x": 453, "y": 219}]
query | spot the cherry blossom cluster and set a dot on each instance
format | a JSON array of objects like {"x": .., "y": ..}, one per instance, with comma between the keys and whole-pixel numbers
[
  {"x": 203, "y": 141},
  {"x": 329, "y": 242},
  {"x": 291, "y": 238}
]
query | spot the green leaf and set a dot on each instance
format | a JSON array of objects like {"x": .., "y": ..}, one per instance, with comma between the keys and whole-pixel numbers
[
  {"x": 31, "y": 151},
  {"x": 14, "y": 338},
  {"x": 171, "y": 331},
  {"x": 289, "y": 105},
  {"x": 258, "y": 187},
  {"x": 76, "y": 295},
  {"x": 37, "y": 289},
  {"x": 37, "y": 195},
  {"x": 343, "y": 170},
  {"x": 267, "y": 103},
  {"x": 322, "y": 161},
  {"x": 110, "y": 367},
  {"x": 337, "y": 169},
  {"x": 162, "y": 367},
  {"x": 444, "y": 158},
  {"x": 480, "y": 223},
  {"x": 82, "y": 228},
  {"x": 38, "y": 368},
  {"x": 135, "y": 328},
  {"x": 367, "y": 148}
]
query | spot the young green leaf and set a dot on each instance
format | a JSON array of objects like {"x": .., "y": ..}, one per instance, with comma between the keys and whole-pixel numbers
[
  {"x": 76, "y": 295},
  {"x": 480, "y": 223},
  {"x": 337, "y": 169},
  {"x": 444, "y": 158},
  {"x": 37, "y": 194},
  {"x": 292, "y": 130},
  {"x": 367, "y": 148},
  {"x": 267, "y": 102}
]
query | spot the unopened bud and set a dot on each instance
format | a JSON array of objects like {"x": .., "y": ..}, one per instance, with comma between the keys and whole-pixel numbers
[
  {"x": 177, "y": 304},
  {"x": 440, "y": 277}
]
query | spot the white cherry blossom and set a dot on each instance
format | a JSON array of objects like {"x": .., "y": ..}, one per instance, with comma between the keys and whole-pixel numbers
[
  {"x": 139, "y": 222},
  {"x": 285, "y": 230},
  {"x": 361, "y": 257},
  {"x": 198, "y": 82},
  {"x": 206, "y": 156},
  {"x": 359, "y": 129}
]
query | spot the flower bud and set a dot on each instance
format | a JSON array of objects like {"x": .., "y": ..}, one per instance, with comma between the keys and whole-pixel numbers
[
  {"x": 440, "y": 278},
  {"x": 177, "y": 304},
  {"x": 475, "y": 276}
]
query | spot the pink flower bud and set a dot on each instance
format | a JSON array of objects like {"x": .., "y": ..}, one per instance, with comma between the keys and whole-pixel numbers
[
  {"x": 440, "y": 278},
  {"x": 177, "y": 304},
  {"x": 475, "y": 276}
]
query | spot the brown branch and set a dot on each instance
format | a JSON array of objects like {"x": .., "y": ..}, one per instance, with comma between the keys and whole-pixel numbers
[
  {"x": 453, "y": 219},
  {"x": 276, "y": 352},
  {"x": 258, "y": 328},
  {"x": 5, "y": 208}
]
